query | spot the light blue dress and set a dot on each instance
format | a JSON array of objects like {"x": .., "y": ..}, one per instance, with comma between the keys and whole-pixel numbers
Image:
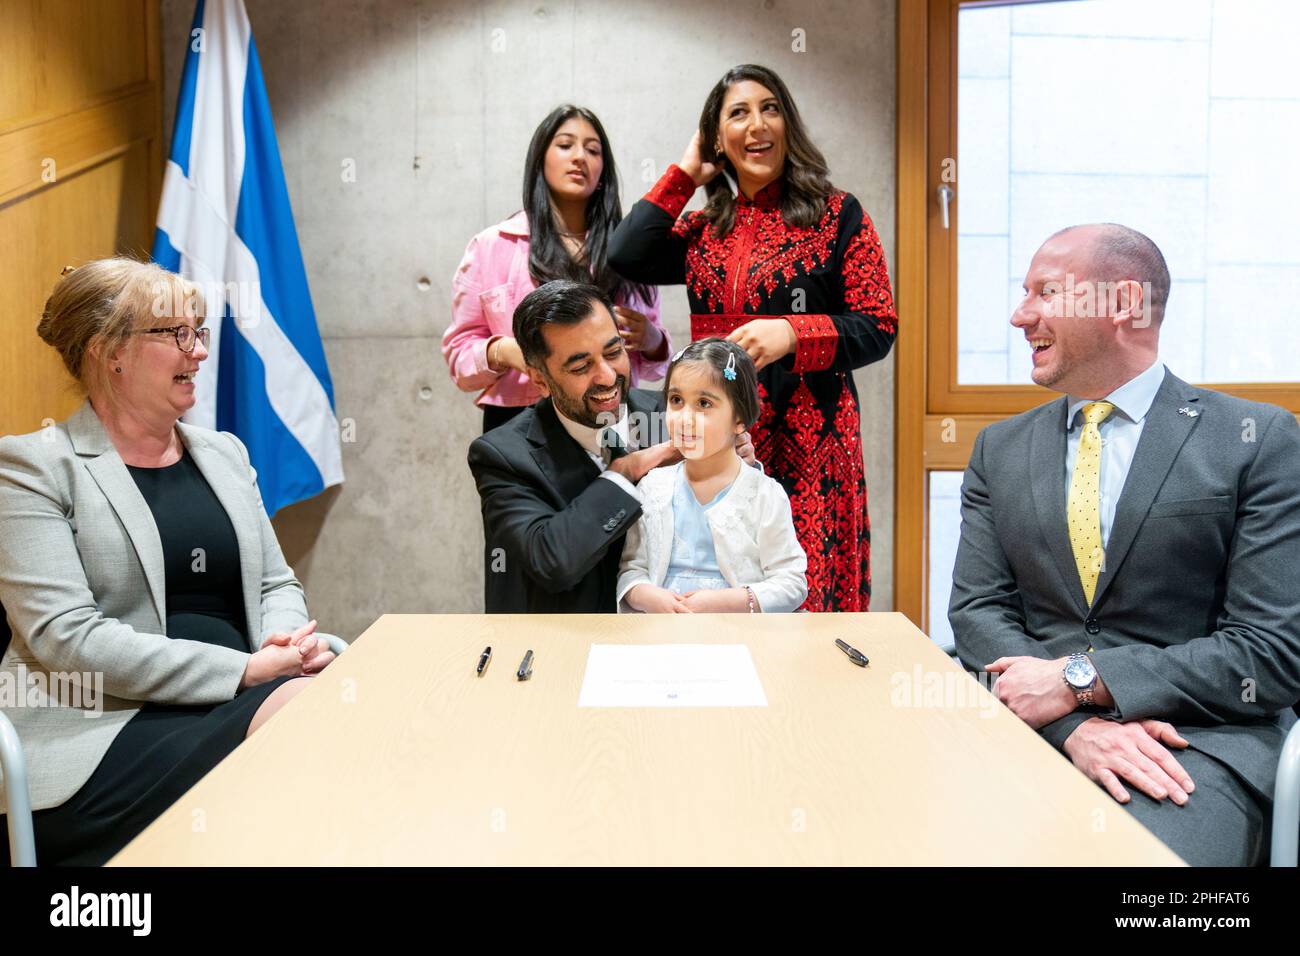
[{"x": 693, "y": 565}]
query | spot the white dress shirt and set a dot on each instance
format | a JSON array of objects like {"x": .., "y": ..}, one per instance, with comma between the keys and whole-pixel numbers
[
  {"x": 589, "y": 439},
  {"x": 1119, "y": 437}
]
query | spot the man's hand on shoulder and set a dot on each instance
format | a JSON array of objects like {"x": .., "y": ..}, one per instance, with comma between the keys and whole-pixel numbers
[
  {"x": 745, "y": 448},
  {"x": 637, "y": 464}
]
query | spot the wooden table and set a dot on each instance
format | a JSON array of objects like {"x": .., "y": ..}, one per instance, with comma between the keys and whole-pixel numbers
[{"x": 398, "y": 754}]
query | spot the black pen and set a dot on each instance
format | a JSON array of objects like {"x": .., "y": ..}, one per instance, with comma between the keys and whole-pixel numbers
[
  {"x": 526, "y": 667},
  {"x": 483, "y": 660},
  {"x": 855, "y": 655}
]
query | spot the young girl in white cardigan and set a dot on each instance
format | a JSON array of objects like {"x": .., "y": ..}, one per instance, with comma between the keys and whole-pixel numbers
[{"x": 714, "y": 534}]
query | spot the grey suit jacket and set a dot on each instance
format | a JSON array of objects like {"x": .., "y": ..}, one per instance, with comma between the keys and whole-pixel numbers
[
  {"x": 1196, "y": 615},
  {"x": 82, "y": 583}
]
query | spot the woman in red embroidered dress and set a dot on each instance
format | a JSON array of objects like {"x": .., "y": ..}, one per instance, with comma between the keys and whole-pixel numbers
[{"x": 792, "y": 269}]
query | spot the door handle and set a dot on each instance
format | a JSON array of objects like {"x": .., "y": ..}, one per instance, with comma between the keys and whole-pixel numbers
[{"x": 945, "y": 194}]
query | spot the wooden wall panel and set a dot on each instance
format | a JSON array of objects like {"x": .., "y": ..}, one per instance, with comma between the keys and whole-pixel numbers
[
  {"x": 58, "y": 55},
  {"x": 104, "y": 208},
  {"x": 80, "y": 170}
]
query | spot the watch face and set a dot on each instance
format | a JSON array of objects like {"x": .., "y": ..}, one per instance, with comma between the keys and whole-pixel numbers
[{"x": 1079, "y": 672}]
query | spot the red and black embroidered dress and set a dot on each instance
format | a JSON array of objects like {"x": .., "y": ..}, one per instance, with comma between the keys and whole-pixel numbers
[{"x": 831, "y": 283}]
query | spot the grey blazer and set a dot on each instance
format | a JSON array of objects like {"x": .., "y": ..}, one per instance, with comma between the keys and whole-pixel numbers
[
  {"x": 82, "y": 583},
  {"x": 1196, "y": 615}
]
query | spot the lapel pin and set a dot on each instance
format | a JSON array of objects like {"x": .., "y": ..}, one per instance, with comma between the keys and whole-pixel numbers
[{"x": 1189, "y": 412}]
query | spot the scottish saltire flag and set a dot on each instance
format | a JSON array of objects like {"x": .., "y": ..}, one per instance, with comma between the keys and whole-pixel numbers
[{"x": 225, "y": 223}]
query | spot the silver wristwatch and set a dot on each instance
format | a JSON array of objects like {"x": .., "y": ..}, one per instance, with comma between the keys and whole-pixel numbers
[{"x": 1081, "y": 677}]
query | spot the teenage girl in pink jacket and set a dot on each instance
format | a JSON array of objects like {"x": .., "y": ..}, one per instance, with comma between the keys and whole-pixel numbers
[{"x": 571, "y": 206}]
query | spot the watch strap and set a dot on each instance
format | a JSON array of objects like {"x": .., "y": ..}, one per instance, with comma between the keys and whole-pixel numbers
[{"x": 1083, "y": 695}]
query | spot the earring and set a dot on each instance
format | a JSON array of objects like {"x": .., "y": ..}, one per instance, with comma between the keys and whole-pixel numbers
[{"x": 118, "y": 370}]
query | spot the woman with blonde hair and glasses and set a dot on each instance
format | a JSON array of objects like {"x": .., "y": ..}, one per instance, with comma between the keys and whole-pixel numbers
[{"x": 138, "y": 566}]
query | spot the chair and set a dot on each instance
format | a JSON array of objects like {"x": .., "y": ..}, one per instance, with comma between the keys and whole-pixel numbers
[
  {"x": 336, "y": 643},
  {"x": 1286, "y": 802},
  {"x": 18, "y": 807},
  {"x": 18, "y": 813}
]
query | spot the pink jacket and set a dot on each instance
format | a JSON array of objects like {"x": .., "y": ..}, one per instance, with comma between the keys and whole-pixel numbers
[{"x": 490, "y": 281}]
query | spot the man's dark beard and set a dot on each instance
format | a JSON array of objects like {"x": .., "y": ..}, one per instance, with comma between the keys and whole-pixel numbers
[{"x": 576, "y": 410}]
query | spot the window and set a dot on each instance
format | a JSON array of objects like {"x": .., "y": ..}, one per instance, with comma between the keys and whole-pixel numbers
[{"x": 1177, "y": 117}]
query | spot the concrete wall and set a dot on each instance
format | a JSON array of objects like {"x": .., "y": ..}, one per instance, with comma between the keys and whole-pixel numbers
[{"x": 434, "y": 103}]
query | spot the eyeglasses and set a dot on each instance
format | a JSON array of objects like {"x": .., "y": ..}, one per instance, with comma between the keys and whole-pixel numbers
[{"x": 186, "y": 335}]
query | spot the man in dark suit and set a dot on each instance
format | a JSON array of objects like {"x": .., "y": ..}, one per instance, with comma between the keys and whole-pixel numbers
[
  {"x": 558, "y": 481},
  {"x": 1130, "y": 558}
]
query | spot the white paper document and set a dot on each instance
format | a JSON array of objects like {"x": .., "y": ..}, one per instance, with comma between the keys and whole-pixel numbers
[{"x": 671, "y": 675}]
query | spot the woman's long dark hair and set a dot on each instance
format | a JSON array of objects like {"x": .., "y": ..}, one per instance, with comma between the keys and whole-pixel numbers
[
  {"x": 548, "y": 258},
  {"x": 807, "y": 186}
]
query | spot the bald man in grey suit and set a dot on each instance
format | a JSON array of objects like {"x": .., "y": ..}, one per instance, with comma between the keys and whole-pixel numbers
[{"x": 1129, "y": 563}]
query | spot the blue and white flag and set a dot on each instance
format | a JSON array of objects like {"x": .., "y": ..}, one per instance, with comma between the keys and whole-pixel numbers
[{"x": 225, "y": 223}]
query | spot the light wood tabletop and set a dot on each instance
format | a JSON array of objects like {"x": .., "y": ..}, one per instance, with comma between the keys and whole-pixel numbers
[{"x": 398, "y": 754}]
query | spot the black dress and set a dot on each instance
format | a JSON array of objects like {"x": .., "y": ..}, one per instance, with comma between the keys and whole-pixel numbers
[{"x": 165, "y": 749}]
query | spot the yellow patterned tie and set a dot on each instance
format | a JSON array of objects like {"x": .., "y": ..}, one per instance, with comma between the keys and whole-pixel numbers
[{"x": 1084, "y": 508}]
